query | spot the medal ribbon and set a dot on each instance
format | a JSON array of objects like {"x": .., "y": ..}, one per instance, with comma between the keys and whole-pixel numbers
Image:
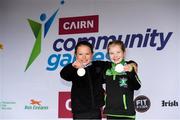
[{"x": 112, "y": 72}]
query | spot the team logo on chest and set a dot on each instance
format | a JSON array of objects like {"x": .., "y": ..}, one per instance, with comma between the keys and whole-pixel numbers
[{"x": 123, "y": 82}]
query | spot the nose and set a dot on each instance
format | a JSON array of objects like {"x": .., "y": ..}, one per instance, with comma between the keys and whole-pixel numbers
[
  {"x": 84, "y": 56},
  {"x": 115, "y": 55}
]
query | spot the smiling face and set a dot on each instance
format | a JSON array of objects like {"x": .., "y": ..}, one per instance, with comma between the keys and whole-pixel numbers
[
  {"x": 116, "y": 53},
  {"x": 84, "y": 54}
]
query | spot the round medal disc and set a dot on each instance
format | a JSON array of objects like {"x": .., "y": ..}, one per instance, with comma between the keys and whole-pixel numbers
[
  {"x": 119, "y": 68},
  {"x": 81, "y": 72}
]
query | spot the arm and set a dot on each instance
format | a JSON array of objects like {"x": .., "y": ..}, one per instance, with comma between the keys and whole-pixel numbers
[
  {"x": 131, "y": 65},
  {"x": 68, "y": 73},
  {"x": 134, "y": 80},
  {"x": 101, "y": 67}
]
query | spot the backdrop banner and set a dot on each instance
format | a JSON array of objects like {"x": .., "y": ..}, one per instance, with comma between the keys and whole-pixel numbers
[{"x": 38, "y": 37}]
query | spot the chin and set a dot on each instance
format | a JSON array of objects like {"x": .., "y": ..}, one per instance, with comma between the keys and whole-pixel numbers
[
  {"x": 114, "y": 62},
  {"x": 117, "y": 62},
  {"x": 85, "y": 63}
]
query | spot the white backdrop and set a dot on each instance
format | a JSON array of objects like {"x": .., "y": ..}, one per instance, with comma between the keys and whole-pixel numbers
[{"x": 157, "y": 21}]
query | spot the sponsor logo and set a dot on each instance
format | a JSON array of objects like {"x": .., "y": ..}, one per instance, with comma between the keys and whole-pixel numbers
[
  {"x": 64, "y": 106},
  {"x": 82, "y": 24},
  {"x": 35, "y": 102},
  {"x": 7, "y": 105},
  {"x": 142, "y": 103},
  {"x": 169, "y": 103},
  {"x": 35, "y": 105}
]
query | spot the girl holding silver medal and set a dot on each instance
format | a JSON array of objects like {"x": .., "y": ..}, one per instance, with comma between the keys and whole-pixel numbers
[
  {"x": 87, "y": 93},
  {"x": 121, "y": 82}
]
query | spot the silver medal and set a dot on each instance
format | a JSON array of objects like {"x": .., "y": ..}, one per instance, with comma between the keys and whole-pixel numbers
[
  {"x": 119, "y": 68},
  {"x": 81, "y": 72}
]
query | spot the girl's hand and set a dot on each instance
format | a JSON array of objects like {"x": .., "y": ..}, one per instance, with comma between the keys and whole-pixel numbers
[
  {"x": 130, "y": 67},
  {"x": 77, "y": 64}
]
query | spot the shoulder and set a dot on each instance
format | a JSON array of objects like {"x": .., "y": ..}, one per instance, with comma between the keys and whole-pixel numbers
[
  {"x": 100, "y": 62},
  {"x": 131, "y": 61},
  {"x": 68, "y": 67}
]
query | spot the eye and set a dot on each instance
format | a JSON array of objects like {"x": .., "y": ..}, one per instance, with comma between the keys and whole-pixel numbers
[
  {"x": 119, "y": 52},
  {"x": 111, "y": 53},
  {"x": 79, "y": 53}
]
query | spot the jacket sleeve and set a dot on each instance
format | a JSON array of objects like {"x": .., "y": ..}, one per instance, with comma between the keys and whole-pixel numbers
[
  {"x": 103, "y": 65},
  {"x": 131, "y": 61},
  {"x": 68, "y": 73},
  {"x": 134, "y": 81}
]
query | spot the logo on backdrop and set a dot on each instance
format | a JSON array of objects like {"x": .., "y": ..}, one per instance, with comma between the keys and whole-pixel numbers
[
  {"x": 64, "y": 105},
  {"x": 37, "y": 30},
  {"x": 169, "y": 103},
  {"x": 81, "y": 24},
  {"x": 7, "y": 105},
  {"x": 142, "y": 103},
  {"x": 35, "y": 105},
  {"x": 63, "y": 46}
]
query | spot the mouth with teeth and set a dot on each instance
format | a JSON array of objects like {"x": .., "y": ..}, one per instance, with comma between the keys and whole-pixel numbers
[
  {"x": 85, "y": 62},
  {"x": 116, "y": 60}
]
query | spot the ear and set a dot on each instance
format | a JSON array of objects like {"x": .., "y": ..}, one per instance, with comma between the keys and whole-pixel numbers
[
  {"x": 74, "y": 59},
  {"x": 124, "y": 54}
]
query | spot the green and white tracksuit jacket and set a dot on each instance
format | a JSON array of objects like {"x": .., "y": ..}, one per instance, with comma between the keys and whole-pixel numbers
[{"x": 120, "y": 92}]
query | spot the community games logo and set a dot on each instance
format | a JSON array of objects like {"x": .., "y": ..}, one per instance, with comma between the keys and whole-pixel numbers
[{"x": 37, "y": 30}]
